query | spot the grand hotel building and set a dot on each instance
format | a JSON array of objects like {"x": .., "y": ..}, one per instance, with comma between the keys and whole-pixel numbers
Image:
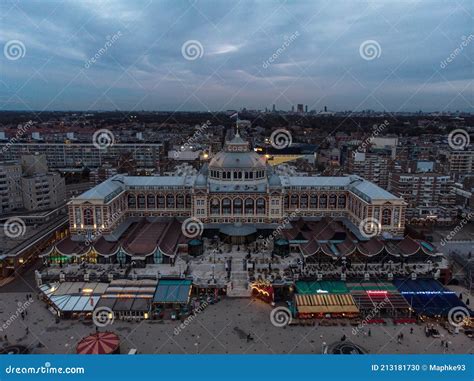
[{"x": 237, "y": 194}]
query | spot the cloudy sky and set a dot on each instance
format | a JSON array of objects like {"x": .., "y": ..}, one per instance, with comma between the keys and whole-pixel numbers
[{"x": 218, "y": 55}]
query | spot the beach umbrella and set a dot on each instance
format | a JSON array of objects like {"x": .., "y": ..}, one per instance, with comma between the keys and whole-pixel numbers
[{"x": 99, "y": 343}]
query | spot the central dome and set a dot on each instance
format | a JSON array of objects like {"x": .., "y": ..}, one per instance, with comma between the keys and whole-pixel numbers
[
  {"x": 231, "y": 160},
  {"x": 237, "y": 162}
]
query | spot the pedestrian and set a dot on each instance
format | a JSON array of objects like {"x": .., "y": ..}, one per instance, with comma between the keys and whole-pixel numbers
[
  {"x": 401, "y": 335},
  {"x": 411, "y": 330},
  {"x": 5, "y": 337},
  {"x": 447, "y": 344},
  {"x": 442, "y": 343},
  {"x": 27, "y": 330},
  {"x": 22, "y": 316},
  {"x": 370, "y": 332}
]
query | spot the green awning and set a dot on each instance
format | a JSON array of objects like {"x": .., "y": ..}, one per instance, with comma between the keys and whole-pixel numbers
[
  {"x": 173, "y": 291},
  {"x": 333, "y": 287}
]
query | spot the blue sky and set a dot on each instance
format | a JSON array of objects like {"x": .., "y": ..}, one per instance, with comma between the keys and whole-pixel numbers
[{"x": 315, "y": 47}]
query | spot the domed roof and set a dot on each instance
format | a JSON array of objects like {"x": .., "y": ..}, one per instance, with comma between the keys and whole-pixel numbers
[
  {"x": 237, "y": 154},
  {"x": 232, "y": 160}
]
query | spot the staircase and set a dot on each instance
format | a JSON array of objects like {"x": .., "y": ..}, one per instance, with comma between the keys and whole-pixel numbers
[{"x": 238, "y": 287}]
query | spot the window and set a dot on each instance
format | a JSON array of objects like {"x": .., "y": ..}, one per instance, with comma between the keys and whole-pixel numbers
[
  {"x": 313, "y": 202},
  {"x": 180, "y": 201},
  {"x": 226, "y": 206},
  {"x": 141, "y": 201},
  {"x": 150, "y": 201},
  {"x": 386, "y": 217},
  {"x": 215, "y": 206},
  {"x": 249, "y": 205},
  {"x": 323, "y": 201},
  {"x": 294, "y": 201},
  {"x": 170, "y": 201},
  {"x": 88, "y": 217},
  {"x": 237, "y": 206},
  {"x": 341, "y": 202},
  {"x": 260, "y": 206},
  {"x": 332, "y": 201},
  {"x": 161, "y": 201},
  {"x": 304, "y": 201},
  {"x": 132, "y": 201}
]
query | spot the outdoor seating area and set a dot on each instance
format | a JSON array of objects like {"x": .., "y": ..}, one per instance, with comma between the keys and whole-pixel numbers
[
  {"x": 172, "y": 296},
  {"x": 378, "y": 299},
  {"x": 129, "y": 299},
  {"x": 72, "y": 299},
  {"x": 324, "y": 299},
  {"x": 429, "y": 298}
]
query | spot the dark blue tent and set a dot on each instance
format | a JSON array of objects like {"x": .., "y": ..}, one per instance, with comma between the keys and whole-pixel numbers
[{"x": 428, "y": 297}]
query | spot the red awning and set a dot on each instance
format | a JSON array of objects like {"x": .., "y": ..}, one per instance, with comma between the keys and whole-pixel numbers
[{"x": 100, "y": 343}]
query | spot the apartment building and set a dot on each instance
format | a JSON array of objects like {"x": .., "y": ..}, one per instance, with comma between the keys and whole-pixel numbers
[{"x": 430, "y": 196}]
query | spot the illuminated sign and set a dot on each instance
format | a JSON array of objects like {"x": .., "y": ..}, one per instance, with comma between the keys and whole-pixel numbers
[
  {"x": 427, "y": 292},
  {"x": 377, "y": 292}
]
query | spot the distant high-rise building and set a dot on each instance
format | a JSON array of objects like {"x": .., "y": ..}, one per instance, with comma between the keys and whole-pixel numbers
[
  {"x": 300, "y": 108},
  {"x": 292, "y": 108},
  {"x": 273, "y": 108},
  {"x": 306, "y": 109}
]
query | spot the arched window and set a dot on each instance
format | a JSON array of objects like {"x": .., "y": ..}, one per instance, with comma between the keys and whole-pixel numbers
[
  {"x": 294, "y": 201},
  {"x": 170, "y": 201},
  {"x": 332, "y": 201},
  {"x": 304, "y": 201},
  {"x": 132, "y": 201},
  {"x": 249, "y": 204},
  {"x": 215, "y": 207},
  {"x": 386, "y": 217},
  {"x": 150, "y": 201},
  {"x": 260, "y": 206},
  {"x": 180, "y": 201},
  {"x": 88, "y": 217},
  {"x": 287, "y": 202},
  {"x": 161, "y": 201},
  {"x": 313, "y": 202},
  {"x": 323, "y": 201},
  {"x": 141, "y": 201},
  {"x": 226, "y": 206},
  {"x": 188, "y": 201},
  {"x": 238, "y": 206},
  {"x": 341, "y": 202}
]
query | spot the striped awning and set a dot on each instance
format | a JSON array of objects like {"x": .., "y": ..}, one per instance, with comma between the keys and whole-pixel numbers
[{"x": 326, "y": 303}]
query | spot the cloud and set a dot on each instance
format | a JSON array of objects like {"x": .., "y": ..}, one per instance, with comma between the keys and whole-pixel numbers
[{"x": 322, "y": 64}]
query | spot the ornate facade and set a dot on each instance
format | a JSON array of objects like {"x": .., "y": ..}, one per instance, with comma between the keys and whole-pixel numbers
[{"x": 236, "y": 187}]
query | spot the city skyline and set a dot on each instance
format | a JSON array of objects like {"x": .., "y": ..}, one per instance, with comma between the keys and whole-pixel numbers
[{"x": 202, "y": 56}]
